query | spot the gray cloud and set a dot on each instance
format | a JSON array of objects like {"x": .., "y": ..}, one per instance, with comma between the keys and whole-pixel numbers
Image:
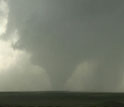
[
  {"x": 60, "y": 34},
  {"x": 23, "y": 76},
  {"x": 17, "y": 73}
]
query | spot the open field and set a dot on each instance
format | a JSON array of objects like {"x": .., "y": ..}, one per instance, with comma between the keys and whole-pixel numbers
[{"x": 60, "y": 99}]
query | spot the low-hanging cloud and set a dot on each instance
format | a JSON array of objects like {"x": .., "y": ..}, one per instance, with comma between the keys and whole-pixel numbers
[
  {"x": 17, "y": 73},
  {"x": 88, "y": 78},
  {"x": 81, "y": 78},
  {"x": 61, "y": 34}
]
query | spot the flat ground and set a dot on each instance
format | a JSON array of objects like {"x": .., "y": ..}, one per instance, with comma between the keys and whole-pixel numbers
[{"x": 61, "y": 99}]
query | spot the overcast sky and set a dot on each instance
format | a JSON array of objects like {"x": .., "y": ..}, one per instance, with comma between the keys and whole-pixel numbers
[{"x": 69, "y": 45}]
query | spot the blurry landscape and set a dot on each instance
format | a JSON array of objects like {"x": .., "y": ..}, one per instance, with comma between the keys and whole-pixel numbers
[{"x": 61, "y": 53}]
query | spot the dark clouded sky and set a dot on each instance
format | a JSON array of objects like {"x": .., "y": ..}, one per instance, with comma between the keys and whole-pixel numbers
[{"x": 74, "y": 45}]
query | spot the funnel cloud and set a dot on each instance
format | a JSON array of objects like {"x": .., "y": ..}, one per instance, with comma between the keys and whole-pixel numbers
[{"x": 78, "y": 43}]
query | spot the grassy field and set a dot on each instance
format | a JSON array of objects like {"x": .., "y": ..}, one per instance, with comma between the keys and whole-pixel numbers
[{"x": 60, "y": 99}]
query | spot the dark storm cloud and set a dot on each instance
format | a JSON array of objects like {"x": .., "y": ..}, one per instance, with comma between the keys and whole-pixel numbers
[
  {"x": 61, "y": 34},
  {"x": 17, "y": 73}
]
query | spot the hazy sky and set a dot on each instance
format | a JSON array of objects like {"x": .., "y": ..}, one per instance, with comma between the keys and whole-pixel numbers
[{"x": 73, "y": 45}]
